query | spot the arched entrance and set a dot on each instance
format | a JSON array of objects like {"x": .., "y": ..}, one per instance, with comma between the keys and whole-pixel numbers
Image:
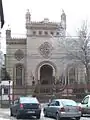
[
  {"x": 46, "y": 74},
  {"x": 50, "y": 65}
]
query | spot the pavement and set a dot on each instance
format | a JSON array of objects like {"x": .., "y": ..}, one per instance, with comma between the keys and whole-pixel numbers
[
  {"x": 5, "y": 115},
  {"x": 5, "y": 110}
]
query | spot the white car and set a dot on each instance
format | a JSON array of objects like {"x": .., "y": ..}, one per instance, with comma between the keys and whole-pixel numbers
[{"x": 85, "y": 105}]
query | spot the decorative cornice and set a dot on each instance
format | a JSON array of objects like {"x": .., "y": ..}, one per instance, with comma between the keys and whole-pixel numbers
[
  {"x": 35, "y": 36},
  {"x": 16, "y": 41},
  {"x": 42, "y": 22},
  {"x": 38, "y": 25}
]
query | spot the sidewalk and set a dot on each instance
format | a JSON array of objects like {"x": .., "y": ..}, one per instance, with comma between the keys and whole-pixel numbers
[
  {"x": 4, "y": 114},
  {"x": 4, "y": 110}
]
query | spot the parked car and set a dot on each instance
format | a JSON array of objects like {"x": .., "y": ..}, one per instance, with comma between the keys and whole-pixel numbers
[
  {"x": 25, "y": 106},
  {"x": 85, "y": 105},
  {"x": 62, "y": 108}
]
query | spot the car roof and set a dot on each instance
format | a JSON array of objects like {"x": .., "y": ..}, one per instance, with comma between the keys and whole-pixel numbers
[
  {"x": 63, "y": 99},
  {"x": 87, "y": 96},
  {"x": 29, "y": 100},
  {"x": 26, "y": 97}
]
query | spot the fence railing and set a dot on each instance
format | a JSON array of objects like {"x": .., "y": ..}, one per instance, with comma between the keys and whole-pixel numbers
[{"x": 46, "y": 92}]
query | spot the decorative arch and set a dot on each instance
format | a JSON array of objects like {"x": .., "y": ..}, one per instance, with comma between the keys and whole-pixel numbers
[
  {"x": 71, "y": 73},
  {"x": 37, "y": 72},
  {"x": 19, "y": 74},
  {"x": 19, "y": 54},
  {"x": 46, "y": 74}
]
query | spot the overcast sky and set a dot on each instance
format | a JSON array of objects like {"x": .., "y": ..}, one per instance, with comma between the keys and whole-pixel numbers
[{"x": 15, "y": 10}]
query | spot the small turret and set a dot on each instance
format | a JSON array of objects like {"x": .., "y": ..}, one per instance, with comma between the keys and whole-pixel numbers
[
  {"x": 46, "y": 20},
  {"x": 28, "y": 17},
  {"x": 63, "y": 19},
  {"x": 8, "y": 33}
]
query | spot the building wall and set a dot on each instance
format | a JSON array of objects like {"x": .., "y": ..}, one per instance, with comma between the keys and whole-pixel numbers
[
  {"x": 34, "y": 57},
  {"x": 12, "y": 46}
]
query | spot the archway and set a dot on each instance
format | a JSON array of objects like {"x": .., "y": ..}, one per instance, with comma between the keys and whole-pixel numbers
[
  {"x": 38, "y": 67},
  {"x": 46, "y": 74}
]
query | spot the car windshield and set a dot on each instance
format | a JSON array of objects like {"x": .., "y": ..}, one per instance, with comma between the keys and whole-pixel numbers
[
  {"x": 28, "y": 100},
  {"x": 69, "y": 103}
]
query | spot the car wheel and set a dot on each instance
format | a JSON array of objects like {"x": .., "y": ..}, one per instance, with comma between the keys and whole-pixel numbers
[
  {"x": 45, "y": 114},
  {"x": 18, "y": 116},
  {"x": 38, "y": 116},
  {"x": 11, "y": 114},
  {"x": 77, "y": 118},
  {"x": 57, "y": 117}
]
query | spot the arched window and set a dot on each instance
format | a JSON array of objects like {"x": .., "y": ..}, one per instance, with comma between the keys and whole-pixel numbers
[
  {"x": 72, "y": 75},
  {"x": 19, "y": 74}
]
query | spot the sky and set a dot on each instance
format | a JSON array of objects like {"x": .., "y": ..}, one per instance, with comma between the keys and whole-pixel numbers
[{"x": 14, "y": 14}]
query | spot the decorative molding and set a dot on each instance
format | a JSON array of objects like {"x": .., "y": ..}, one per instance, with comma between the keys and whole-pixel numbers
[
  {"x": 50, "y": 63},
  {"x": 11, "y": 43},
  {"x": 19, "y": 55},
  {"x": 45, "y": 49},
  {"x": 39, "y": 25},
  {"x": 16, "y": 41}
]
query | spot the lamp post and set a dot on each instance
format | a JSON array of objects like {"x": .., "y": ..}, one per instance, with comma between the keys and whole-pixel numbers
[
  {"x": 9, "y": 93},
  {"x": 13, "y": 90},
  {"x": 1, "y": 94}
]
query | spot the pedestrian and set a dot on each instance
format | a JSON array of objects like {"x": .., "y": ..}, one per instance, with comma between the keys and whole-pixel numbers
[{"x": 49, "y": 100}]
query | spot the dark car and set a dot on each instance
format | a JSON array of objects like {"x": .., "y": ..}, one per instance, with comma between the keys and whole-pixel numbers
[
  {"x": 62, "y": 108},
  {"x": 25, "y": 106}
]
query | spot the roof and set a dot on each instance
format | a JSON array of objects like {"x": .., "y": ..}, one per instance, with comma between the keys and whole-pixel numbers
[{"x": 6, "y": 82}]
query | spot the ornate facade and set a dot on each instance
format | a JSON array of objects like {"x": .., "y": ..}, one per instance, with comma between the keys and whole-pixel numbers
[{"x": 37, "y": 58}]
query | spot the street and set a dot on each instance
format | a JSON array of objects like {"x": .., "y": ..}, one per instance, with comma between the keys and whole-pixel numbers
[{"x": 5, "y": 115}]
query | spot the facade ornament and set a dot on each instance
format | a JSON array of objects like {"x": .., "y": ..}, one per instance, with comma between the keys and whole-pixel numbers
[
  {"x": 33, "y": 82},
  {"x": 45, "y": 49},
  {"x": 61, "y": 82},
  {"x": 32, "y": 78},
  {"x": 19, "y": 55}
]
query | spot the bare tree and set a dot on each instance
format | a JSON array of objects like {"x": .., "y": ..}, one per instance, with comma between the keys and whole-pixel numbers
[{"x": 78, "y": 48}]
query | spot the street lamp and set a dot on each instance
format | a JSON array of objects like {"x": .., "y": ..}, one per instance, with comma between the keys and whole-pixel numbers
[
  {"x": 13, "y": 90},
  {"x": 9, "y": 93},
  {"x": 1, "y": 94}
]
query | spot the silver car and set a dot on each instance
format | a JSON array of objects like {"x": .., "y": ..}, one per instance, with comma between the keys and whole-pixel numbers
[{"x": 62, "y": 108}]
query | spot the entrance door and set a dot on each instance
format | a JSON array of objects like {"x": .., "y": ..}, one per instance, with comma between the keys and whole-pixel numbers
[{"x": 46, "y": 74}]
